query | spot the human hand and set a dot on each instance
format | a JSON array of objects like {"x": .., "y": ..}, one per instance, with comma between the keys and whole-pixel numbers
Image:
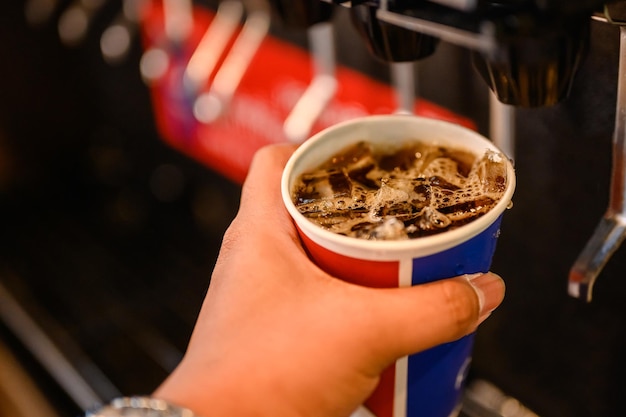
[{"x": 277, "y": 336}]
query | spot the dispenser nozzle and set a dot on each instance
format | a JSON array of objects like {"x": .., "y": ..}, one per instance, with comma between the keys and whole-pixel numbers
[{"x": 611, "y": 230}]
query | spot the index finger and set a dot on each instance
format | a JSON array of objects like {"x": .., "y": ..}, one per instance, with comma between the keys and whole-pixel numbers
[{"x": 261, "y": 196}]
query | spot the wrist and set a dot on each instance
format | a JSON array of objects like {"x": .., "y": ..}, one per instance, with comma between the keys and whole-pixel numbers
[
  {"x": 201, "y": 388},
  {"x": 232, "y": 390}
]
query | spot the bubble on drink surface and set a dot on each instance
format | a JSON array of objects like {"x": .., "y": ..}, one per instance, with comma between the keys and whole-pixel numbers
[{"x": 415, "y": 190}]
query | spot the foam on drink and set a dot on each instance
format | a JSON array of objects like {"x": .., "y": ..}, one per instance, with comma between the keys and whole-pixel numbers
[{"x": 415, "y": 190}]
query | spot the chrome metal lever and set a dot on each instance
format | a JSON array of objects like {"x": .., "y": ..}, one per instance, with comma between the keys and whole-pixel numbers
[
  {"x": 178, "y": 19},
  {"x": 321, "y": 90},
  {"x": 213, "y": 104},
  {"x": 502, "y": 125},
  {"x": 484, "y": 41},
  {"x": 403, "y": 78},
  {"x": 611, "y": 231},
  {"x": 213, "y": 44}
]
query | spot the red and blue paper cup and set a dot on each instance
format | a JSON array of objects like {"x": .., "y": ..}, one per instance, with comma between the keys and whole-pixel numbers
[{"x": 430, "y": 383}]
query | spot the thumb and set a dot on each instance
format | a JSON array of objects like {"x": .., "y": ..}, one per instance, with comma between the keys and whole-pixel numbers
[{"x": 423, "y": 316}]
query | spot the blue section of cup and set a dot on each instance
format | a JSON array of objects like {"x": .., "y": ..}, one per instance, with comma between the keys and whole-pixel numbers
[{"x": 436, "y": 376}]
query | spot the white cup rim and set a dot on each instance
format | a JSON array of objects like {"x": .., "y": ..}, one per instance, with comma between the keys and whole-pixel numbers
[{"x": 400, "y": 125}]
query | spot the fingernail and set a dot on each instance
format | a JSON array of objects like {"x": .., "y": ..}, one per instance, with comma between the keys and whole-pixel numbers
[{"x": 489, "y": 288}]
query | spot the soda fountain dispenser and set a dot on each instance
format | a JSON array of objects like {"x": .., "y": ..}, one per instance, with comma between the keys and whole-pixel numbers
[{"x": 528, "y": 52}]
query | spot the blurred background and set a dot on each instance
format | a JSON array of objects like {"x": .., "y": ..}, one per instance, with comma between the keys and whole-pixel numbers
[{"x": 112, "y": 213}]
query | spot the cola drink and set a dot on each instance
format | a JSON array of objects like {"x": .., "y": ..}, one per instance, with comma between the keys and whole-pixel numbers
[{"x": 415, "y": 190}]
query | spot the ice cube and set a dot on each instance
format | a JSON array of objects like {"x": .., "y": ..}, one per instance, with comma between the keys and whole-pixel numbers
[
  {"x": 432, "y": 220},
  {"x": 322, "y": 185},
  {"x": 491, "y": 171},
  {"x": 389, "y": 229},
  {"x": 354, "y": 157},
  {"x": 401, "y": 198}
]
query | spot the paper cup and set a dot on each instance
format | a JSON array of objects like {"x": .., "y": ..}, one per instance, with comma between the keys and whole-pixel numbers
[{"x": 430, "y": 383}]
